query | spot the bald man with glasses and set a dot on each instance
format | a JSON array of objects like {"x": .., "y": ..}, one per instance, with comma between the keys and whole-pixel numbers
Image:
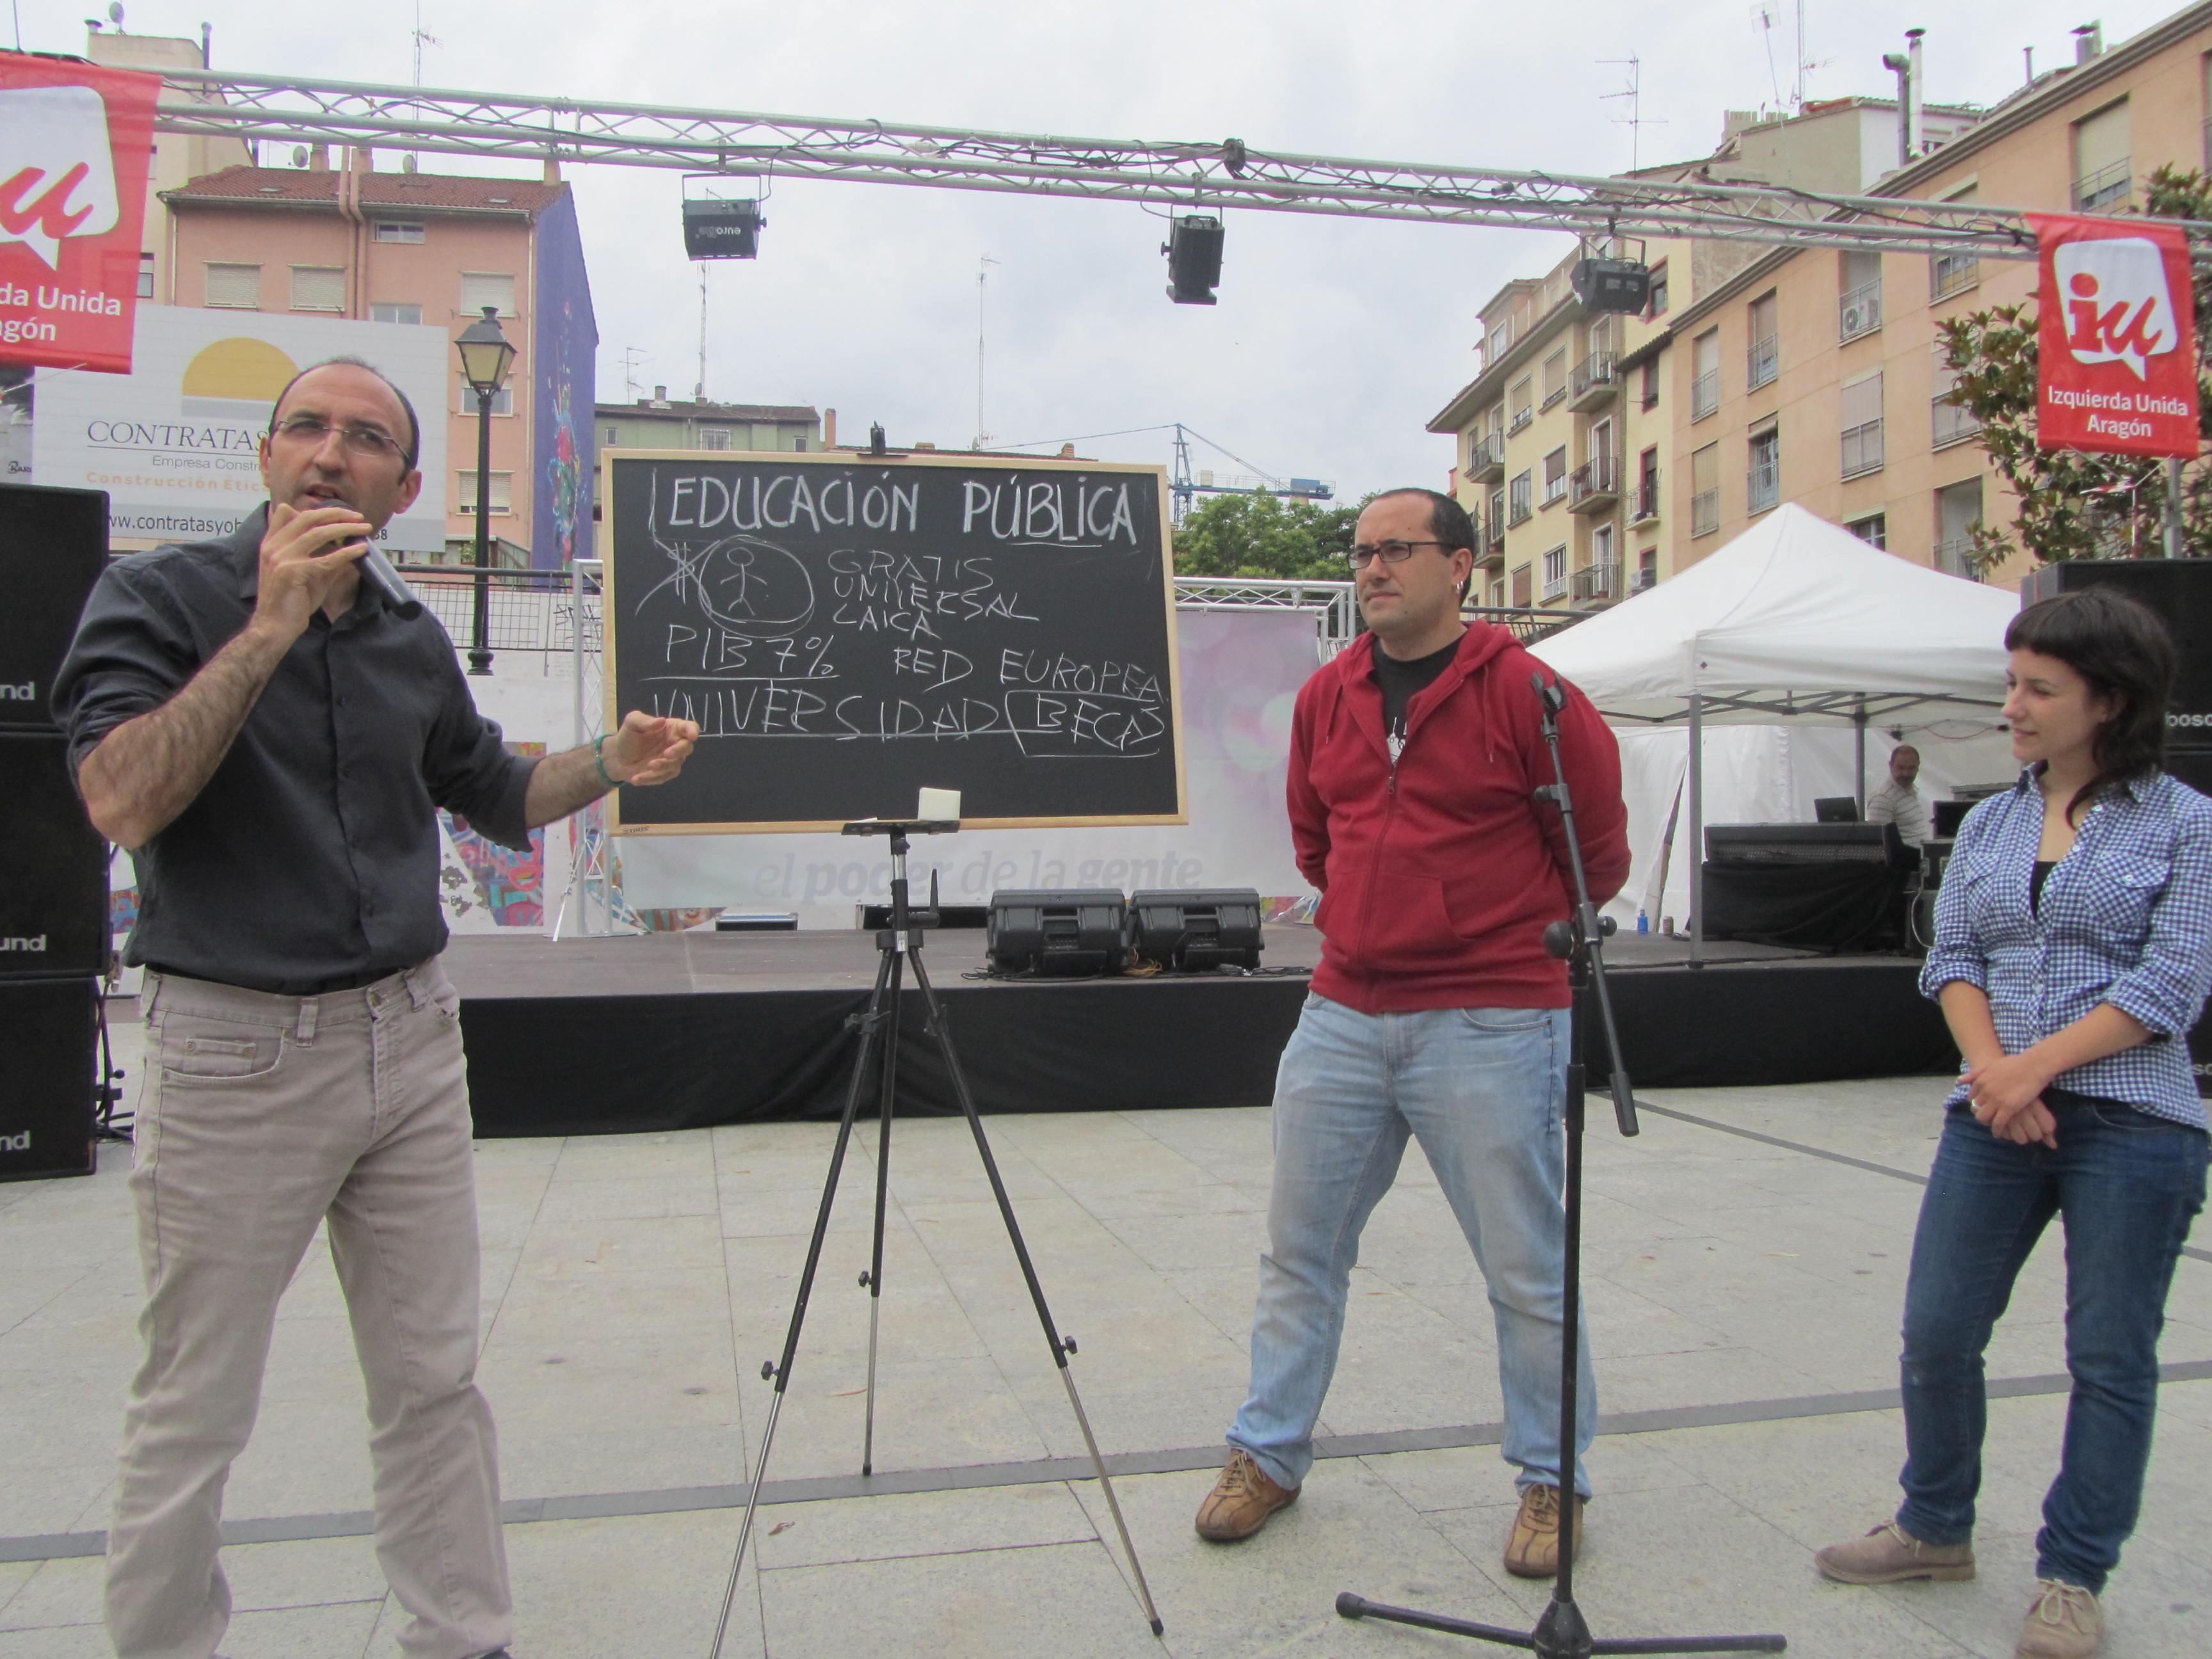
[{"x": 271, "y": 744}]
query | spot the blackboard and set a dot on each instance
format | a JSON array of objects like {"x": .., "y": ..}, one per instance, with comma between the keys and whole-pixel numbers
[{"x": 848, "y": 629}]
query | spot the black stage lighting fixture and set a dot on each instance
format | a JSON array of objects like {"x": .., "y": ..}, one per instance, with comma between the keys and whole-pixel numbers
[
  {"x": 1193, "y": 251},
  {"x": 1196, "y": 929},
  {"x": 1616, "y": 285},
  {"x": 715, "y": 229},
  {"x": 1072, "y": 931}
]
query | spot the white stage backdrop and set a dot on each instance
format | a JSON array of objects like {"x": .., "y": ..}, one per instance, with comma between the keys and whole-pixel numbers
[{"x": 1241, "y": 672}]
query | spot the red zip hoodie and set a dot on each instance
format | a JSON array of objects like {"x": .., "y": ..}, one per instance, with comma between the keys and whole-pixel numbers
[{"x": 1437, "y": 875}]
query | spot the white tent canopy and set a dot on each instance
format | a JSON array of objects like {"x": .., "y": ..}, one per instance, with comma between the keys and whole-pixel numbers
[{"x": 1796, "y": 619}]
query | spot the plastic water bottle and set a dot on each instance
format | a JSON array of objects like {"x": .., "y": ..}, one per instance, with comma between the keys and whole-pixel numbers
[{"x": 1643, "y": 922}]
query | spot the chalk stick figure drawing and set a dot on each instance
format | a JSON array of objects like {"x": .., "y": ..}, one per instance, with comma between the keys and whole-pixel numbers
[{"x": 743, "y": 583}]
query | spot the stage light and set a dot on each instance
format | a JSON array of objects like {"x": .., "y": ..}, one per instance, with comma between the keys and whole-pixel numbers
[
  {"x": 1196, "y": 929},
  {"x": 1193, "y": 251},
  {"x": 1622, "y": 286},
  {"x": 1076, "y": 932},
  {"x": 715, "y": 229}
]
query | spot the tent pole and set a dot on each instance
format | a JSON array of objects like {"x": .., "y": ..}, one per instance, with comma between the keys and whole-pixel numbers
[
  {"x": 1696, "y": 829},
  {"x": 1859, "y": 722}
]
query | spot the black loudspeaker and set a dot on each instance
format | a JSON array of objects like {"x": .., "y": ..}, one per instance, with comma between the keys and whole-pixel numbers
[
  {"x": 2180, "y": 590},
  {"x": 46, "y": 1108},
  {"x": 1076, "y": 932},
  {"x": 1610, "y": 285},
  {"x": 1193, "y": 251},
  {"x": 53, "y": 546},
  {"x": 53, "y": 902},
  {"x": 1196, "y": 929},
  {"x": 722, "y": 230}
]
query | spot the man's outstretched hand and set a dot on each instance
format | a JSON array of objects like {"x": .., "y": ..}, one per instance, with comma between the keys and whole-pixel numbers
[{"x": 648, "y": 749}]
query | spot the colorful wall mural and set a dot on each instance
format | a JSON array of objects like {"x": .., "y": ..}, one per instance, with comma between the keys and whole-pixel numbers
[{"x": 565, "y": 353}]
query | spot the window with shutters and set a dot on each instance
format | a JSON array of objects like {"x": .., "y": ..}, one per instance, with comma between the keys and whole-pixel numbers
[
  {"x": 318, "y": 287},
  {"x": 1520, "y": 593},
  {"x": 1958, "y": 515},
  {"x": 2102, "y": 178},
  {"x": 502, "y": 402},
  {"x": 1861, "y": 423},
  {"x": 1705, "y": 362},
  {"x": 1763, "y": 481},
  {"x": 1523, "y": 414},
  {"x": 1951, "y": 424},
  {"x": 394, "y": 314},
  {"x": 145, "y": 276},
  {"x": 1555, "y": 574},
  {"x": 1706, "y": 490},
  {"x": 394, "y": 230},
  {"x": 234, "y": 287},
  {"x": 1859, "y": 308},
  {"x": 1764, "y": 359},
  {"x": 480, "y": 288},
  {"x": 1657, "y": 305},
  {"x": 1555, "y": 377},
  {"x": 1874, "y": 528},
  {"x": 1949, "y": 273},
  {"x": 500, "y": 498},
  {"x": 1555, "y": 475}
]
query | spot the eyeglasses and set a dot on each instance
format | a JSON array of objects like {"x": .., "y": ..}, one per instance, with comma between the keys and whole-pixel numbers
[
  {"x": 1393, "y": 552},
  {"x": 369, "y": 443}
]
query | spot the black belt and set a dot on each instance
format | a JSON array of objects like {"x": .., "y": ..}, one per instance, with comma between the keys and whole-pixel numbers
[{"x": 353, "y": 982}]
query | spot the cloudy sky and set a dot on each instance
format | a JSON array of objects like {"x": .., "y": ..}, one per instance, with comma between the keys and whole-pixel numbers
[{"x": 1334, "y": 341}]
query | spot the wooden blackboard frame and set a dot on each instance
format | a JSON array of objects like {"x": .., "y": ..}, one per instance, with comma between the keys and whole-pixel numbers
[{"x": 611, "y": 457}]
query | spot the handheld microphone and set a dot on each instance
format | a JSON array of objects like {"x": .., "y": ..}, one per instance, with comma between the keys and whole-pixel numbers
[{"x": 398, "y": 598}]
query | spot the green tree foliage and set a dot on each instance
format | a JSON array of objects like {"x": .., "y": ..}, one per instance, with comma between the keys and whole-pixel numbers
[
  {"x": 1265, "y": 536},
  {"x": 2074, "y": 505}
]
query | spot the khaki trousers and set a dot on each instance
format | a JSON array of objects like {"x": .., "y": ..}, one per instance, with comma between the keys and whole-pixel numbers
[{"x": 261, "y": 1116}]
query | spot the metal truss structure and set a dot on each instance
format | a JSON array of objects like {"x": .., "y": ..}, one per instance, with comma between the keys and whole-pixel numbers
[{"x": 1206, "y": 176}]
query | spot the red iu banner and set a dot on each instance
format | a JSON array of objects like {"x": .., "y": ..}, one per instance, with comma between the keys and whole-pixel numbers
[
  {"x": 2117, "y": 337},
  {"x": 76, "y": 146}
]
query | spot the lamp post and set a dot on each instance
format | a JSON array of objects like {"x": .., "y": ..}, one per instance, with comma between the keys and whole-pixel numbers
[{"x": 486, "y": 355}]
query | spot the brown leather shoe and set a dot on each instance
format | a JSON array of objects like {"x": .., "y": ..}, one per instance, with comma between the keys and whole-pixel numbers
[
  {"x": 1241, "y": 1501},
  {"x": 1891, "y": 1555},
  {"x": 1533, "y": 1550}
]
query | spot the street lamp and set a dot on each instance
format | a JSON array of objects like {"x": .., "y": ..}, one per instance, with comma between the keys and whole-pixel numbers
[{"x": 486, "y": 355}]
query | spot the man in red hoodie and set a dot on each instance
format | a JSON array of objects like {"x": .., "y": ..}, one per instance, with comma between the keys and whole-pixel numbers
[{"x": 1435, "y": 1013}]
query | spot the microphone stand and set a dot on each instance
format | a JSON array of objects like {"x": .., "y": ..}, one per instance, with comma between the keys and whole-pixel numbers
[{"x": 1563, "y": 1632}]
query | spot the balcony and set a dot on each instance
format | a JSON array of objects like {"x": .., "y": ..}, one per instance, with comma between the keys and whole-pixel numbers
[
  {"x": 1643, "y": 502},
  {"x": 1859, "y": 311},
  {"x": 1593, "y": 486},
  {"x": 1762, "y": 363},
  {"x": 1706, "y": 512},
  {"x": 1495, "y": 544},
  {"x": 1953, "y": 425},
  {"x": 2105, "y": 191},
  {"x": 1954, "y": 556},
  {"x": 1597, "y": 583},
  {"x": 1704, "y": 394},
  {"x": 1485, "y": 460},
  {"x": 1595, "y": 383},
  {"x": 1953, "y": 273},
  {"x": 1862, "y": 449},
  {"x": 1522, "y": 416},
  {"x": 1643, "y": 582},
  {"x": 1762, "y": 486}
]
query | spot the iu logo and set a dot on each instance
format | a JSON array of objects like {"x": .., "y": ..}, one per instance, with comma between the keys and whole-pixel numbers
[
  {"x": 62, "y": 179},
  {"x": 2118, "y": 308}
]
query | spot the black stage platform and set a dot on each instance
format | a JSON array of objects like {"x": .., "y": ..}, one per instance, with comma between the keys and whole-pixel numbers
[{"x": 681, "y": 1030}]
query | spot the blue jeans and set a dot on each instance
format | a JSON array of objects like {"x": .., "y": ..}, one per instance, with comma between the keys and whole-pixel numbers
[
  {"x": 2127, "y": 1185},
  {"x": 1484, "y": 1089}
]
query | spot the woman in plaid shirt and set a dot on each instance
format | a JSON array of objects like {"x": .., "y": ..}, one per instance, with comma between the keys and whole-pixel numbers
[{"x": 2073, "y": 951}]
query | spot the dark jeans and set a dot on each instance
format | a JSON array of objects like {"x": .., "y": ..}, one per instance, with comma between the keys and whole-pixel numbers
[{"x": 2128, "y": 1185}]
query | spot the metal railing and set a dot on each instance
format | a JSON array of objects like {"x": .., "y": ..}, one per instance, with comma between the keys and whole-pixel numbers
[
  {"x": 1598, "y": 581},
  {"x": 1951, "y": 424},
  {"x": 1706, "y": 512},
  {"x": 1643, "y": 502},
  {"x": 1704, "y": 394},
  {"x": 1522, "y": 416},
  {"x": 1762, "y": 486},
  {"x": 1952, "y": 273},
  {"x": 1555, "y": 587},
  {"x": 1859, "y": 311},
  {"x": 1485, "y": 455},
  {"x": 1497, "y": 539},
  {"x": 1954, "y": 556},
  {"x": 1762, "y": 363},
  {"x": 524, "y": 609},
  {"x": 2108, "y": 185},
  {"x": 1597, "y": 374},
  {"x": 1598, "y": 476},
  {"x": 1862, "y": 449},
  {"x": 1554, "y": 396}
]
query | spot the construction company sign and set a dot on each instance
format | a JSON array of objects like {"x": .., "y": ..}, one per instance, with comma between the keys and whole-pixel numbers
[
  {"x": 76, "y": 148},
  {"x": 2117, "y": 337}
]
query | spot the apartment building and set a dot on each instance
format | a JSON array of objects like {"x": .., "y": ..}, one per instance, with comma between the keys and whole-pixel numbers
[
  {"x": 429, "y": 249},
  {"x": 655, "y": 423},
  {"x": 1817, "y": 377}
]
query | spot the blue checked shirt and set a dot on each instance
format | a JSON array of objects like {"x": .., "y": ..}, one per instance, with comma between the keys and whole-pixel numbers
[{"x": 2126, "y": 919}]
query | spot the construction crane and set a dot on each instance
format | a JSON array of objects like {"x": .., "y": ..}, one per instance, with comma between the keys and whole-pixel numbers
[{"x": 1207, "y": 175}]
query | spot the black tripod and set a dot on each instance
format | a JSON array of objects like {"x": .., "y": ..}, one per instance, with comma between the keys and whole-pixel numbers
[
  {"x": 897, "y": 946},
  {"x": 1562, "y": 1632}
]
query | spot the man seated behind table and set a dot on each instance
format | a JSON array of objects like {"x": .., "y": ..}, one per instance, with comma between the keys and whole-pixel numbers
[{"x": 1898, "y": 803}]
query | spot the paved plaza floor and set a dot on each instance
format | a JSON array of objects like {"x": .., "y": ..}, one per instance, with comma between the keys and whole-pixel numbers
[{"x": 1746, "y": 1262}]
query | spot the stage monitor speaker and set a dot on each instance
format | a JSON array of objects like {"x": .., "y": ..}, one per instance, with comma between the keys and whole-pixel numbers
[
  {"x": 1072, "y": 933},
  {"x": 1196, "y": 928},
  {"x": 2180, "y": 590},
  {"x": 53, "y": 546},
  {"x": 1771, "y": 844},
  {"x": 53, "y": 904},
  {"x": 46, "y": 1108}
]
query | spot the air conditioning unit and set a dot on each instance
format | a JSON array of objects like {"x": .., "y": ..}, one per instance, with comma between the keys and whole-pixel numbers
[{"x": 1856, "y": 320}]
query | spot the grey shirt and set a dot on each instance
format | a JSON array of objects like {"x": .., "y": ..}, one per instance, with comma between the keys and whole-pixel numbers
[
  {"x": 310, "y": 861},
  {"x": 1902, "y": 805}
]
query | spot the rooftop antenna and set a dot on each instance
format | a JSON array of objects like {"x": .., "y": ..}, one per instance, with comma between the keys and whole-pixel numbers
[
  {"x": 699, "y": 393},
  {"x": 631, "y": 357},
  {"x": 1634, "y": 92},
  {"x": 1762, "y": 15},
  {"x": 982, "y": 278}
]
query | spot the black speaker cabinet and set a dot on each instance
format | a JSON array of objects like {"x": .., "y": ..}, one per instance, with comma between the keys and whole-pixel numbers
[
  {"x": 2180, "y": 590},
  {"x": 1076, "y": 933},
  {"x": 53, "y": 546},
  {"x": 53, "y": 903},
  {"x": 1196, "y": 929},
  {"x": 46, "y": 1106}
]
